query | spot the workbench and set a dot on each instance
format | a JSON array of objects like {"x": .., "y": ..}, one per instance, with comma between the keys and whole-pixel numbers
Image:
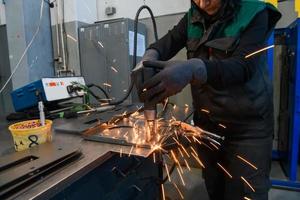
[{"x": 94, "y": 155}]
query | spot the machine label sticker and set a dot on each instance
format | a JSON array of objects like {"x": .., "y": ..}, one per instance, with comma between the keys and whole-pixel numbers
[{"x": 141, "y": 44}]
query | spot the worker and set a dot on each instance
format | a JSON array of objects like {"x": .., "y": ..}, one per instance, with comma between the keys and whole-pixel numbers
[{"x": 232, "y": 93}]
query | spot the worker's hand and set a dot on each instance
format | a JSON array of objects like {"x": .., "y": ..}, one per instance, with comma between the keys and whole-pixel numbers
[
  {"x": 140, "y": 74},
  {"x": 172, "y": 79}
]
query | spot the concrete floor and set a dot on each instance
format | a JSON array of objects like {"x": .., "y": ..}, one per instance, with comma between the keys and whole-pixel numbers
[{"x": 195, "y": 187}]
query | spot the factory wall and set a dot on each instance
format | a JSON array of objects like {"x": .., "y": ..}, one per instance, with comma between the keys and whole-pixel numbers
[
  {"x": 77, "y": 13},
  {"x": 5, "y": 100},
  {"x": 2, "y": 13},
  {"x": 22, "y": 21},
  {"x": 128, "y": 8},
  {"x": 23, "y": 18},
  {"x": 287, "y": 9}
]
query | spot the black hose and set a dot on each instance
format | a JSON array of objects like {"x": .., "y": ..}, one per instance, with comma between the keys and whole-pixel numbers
[
  {"x": 136, "y": 30},
  {"x": 136, "y": 20},
  {"x": 100, "y": 88}
]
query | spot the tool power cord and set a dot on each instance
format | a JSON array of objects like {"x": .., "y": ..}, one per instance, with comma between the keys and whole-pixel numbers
[{"x": 144, "y": 7}]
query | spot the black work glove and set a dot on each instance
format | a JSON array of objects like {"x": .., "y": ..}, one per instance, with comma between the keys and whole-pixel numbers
[
  {"x": 172, "y": 79},
  {"x": 140, "y": 74}
]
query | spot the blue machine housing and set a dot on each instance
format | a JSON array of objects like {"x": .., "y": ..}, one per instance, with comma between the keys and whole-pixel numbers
[
  {"x": 25, "y": 97},
  {"x": 289, "y": 160}
]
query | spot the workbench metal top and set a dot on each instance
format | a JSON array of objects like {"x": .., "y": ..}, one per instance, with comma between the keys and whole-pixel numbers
[{"x": 93, "y": 155}]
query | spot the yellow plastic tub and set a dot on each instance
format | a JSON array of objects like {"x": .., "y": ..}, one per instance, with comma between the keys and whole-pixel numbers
[{"x": 28, "y": 134}]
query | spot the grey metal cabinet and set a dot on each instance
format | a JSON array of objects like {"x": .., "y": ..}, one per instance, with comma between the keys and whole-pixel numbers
[{"x": 106, "y": 50}]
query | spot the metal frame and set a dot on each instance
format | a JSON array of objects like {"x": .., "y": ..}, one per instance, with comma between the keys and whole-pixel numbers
[{"x": 293, "y": 154}]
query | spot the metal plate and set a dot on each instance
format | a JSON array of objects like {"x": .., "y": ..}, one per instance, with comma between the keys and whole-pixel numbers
[
  {"x": 19, "y": 170},
  {"x": 88, "y": 121},
  {"x": 130, "y": 131}
]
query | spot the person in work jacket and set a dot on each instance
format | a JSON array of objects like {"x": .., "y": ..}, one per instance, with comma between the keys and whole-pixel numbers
[{"x": 232, "y": 93}]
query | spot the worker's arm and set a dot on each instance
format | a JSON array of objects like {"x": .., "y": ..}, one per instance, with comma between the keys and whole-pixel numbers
[
  {"x": 237, "y": 69},
  {"x": 164, "y": 49},
  {"x": 220, "y": 73},
  {"x": 169, "y": 45}
]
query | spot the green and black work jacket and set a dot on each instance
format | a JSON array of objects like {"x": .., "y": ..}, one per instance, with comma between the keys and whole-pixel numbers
[{"x": 238, "y": 92}]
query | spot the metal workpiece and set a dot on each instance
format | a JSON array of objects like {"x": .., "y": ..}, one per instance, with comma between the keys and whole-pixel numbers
[
  {"x": 20, "y": 169},
  {"x": 132, "y": 127},
  {"x": 94, "y": 154}
]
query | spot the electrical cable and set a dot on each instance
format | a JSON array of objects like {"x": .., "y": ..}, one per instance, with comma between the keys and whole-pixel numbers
[
  {"x": 26, "y": 49},
  {"x": 65, "y": 35},
  {"x": 136, "y": 20},
  {"x": 100, "y": 88}
]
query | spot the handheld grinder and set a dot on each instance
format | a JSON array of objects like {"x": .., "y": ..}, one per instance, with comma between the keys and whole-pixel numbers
[{"x": 150, "y": 110}]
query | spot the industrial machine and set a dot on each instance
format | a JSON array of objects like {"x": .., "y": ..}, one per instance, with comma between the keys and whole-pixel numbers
[
  {"x": 287, "y": 122},
  {"x": 49, "y": 89}
]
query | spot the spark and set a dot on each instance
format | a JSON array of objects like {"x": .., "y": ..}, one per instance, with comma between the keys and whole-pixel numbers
[
  {"x": 246, "y": 198},
  {"x": 130, "y": 152},
  {"x": 168, "y": 173},
  {"x": 198, "y": 160},
  {"x": 194, "y": 151},
  {"x": 181, "y": 170},
  {"x": 179, "y": 192},
  {"x": 247, "y": 162},
  {"x": 210, "y": 134},
  {"x": 106, "y": 84},
  {"x": 177, "y": 141},
  {"x": 155, "y": 148},
  {"x": 174, "y": 157},
  {"x": 100, "y": 44},
  {"x": 145, "y": 90},
  {"x": 160, "y": 119},
  {"x": 121, "y": 152},
  {"x": 176, "y": 134},
  {"x": 106, "y": 99},
  {"x": 247, "y": 183},
  {"x": 187, "y": 165},
  {"x": 204, "y": 110},
  {"x": 180, "y": 152},
  {"x": 166, "y": 103},
  {"x": 223, "y": 126},
  {"x": 188, "y": 139},
  {"x": 185, "y": 151},
  {"x": 223, "y": 168},
  {"x": 114, "y": 69},
  {"x": 176, "y": 161},
  {"x": 71, "y": 37},
  {"x": 214, "y": 145},
  {"x": 195, "y": 139},
  {"x": 154, "y": 157},
  {"x": 87, "y": 7},
  {"x": 163, "y": 192},
  {"x": 181, "y": 178},
  {"x": 259, "y": 51}
]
